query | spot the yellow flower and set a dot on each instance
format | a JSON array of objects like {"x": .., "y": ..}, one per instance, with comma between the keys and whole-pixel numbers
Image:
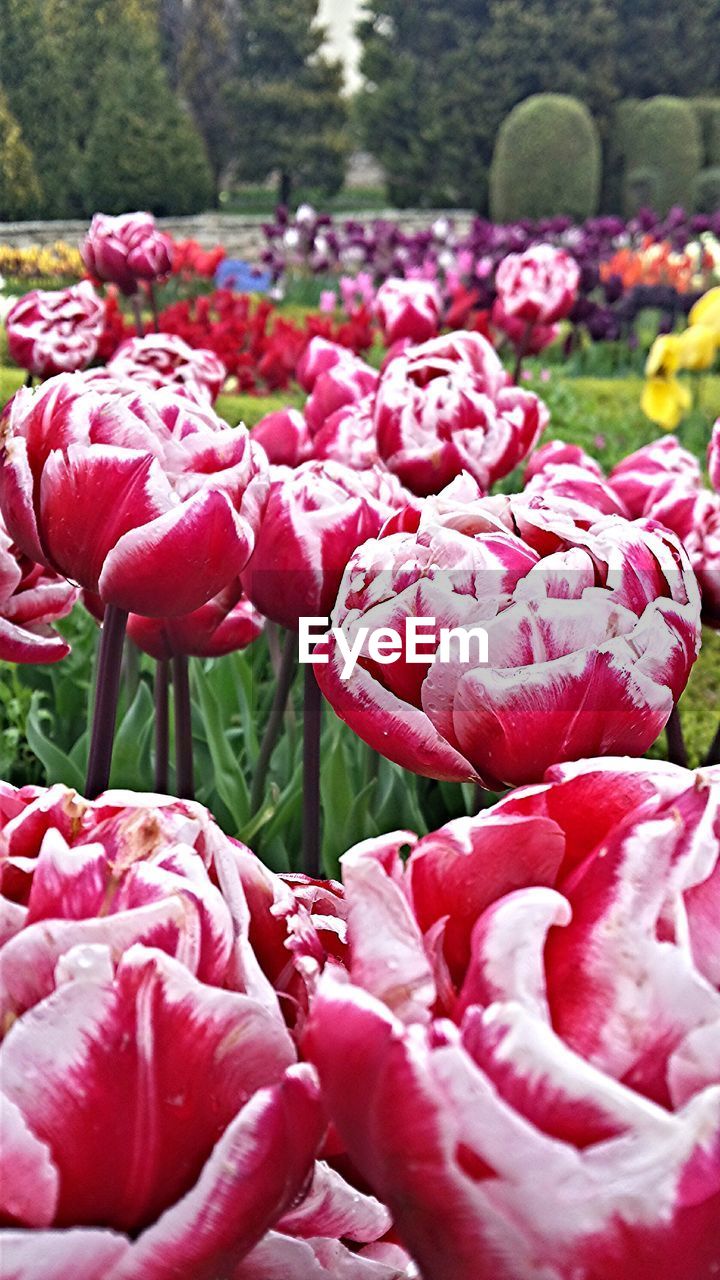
[
  {"x": 698, "y": 345},
  {"x": 665, "y": 401},
  {"x": 707, "y": 311},
  {"x": 664, "y": 356}
]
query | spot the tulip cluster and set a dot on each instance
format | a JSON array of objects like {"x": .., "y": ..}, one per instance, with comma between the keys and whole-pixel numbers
[
  {"x": 661, "y": 482},
  {"x": 665, "y": 398}
]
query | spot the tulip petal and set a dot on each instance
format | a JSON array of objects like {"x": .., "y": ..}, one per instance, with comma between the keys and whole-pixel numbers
[
  {"x": 333, "y": 1208},
  {"x": 22, "y": 644},
  {"x": 396, "y": 729},
  {"x": 28, "y": 1177},
  {"x": 135, "y": 1080},
  {"x": 83, "y": 1254},
  {"x": 174, "y": 564},
  {"x": 255, "y": 1172},
  {"x": 280, "y": 1257}
]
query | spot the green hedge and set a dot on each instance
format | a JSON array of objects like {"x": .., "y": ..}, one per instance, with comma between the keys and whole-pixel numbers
[
  {"x": 663, "y": 134},
  {"x": 707, "y": 111},
  {"x": 706, "y": 190},
  {"x": 20, "y": 191},
  {"x": 547, "y": 160}
]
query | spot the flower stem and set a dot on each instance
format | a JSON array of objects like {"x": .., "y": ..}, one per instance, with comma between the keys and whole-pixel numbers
[
  {"x": 162, "y": 744},
  {"x": 137, "y": 312},
  {"x": 713, "y": 755},
  {"x": 107, "y": 688},
  {"x": 153, "y": 306},
  {"x": 677, "y": 753},
  {"x": 184, "y": 780},
  {"x": 312, "y": 724},
  {"x": 286, "y": 672},
  {"x": 522, "y": 351}
]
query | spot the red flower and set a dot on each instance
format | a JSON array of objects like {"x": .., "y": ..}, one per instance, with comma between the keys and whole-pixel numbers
[{"x": 225, "y": 624}]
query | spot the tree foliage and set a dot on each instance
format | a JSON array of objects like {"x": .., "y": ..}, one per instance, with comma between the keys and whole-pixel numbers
[{"x": 20, "y": 192}]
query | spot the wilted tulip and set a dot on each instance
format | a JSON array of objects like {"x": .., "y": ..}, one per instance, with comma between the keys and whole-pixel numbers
[
  {"x": 447, "y": 407},
  {"x": 223, "y": 625},
  {"x": 316, "y": 516},
  {"x": 131, "y": 988},
  {"x": 127, "y": 249},
  {"x": 164, "y": 360},
  {"x": 145, "y": 499},
  {"x": 566, "y": 1122},
  {"x": 538, "y": 286},
  {"x": 284, "y": 436},
  {"x": 714, "y": 457},
  {"x": 55, "y": 331},
  {"x": 408, "y": 309},
  {"x": 591, "y": 626},
  {"x": 31, "y": 599}
]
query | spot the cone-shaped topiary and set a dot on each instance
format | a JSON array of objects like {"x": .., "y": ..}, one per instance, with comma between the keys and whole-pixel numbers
[{"x": 546, "y": 161}]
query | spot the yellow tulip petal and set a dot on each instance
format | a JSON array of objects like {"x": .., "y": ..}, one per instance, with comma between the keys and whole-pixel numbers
[
  {"x": 664, "y": 355},
  {"x": 707, "y": 310},
  {"x": 664, "y": 401},
  {"x": 698, "y": 346}
]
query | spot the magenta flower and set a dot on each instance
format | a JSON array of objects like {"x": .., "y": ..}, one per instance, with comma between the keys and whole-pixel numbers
[
  {"x": 55, "y": 331},
  {"x": 127, "y": 249},
  {"x": 164, "y": 360},
  {"x": 345, "y": 383},
  {"x": 533, "y": 1028},
  {"x": 145, "y": 499},
  {"x": 155, "y": 1120},
  {"x": 408, "y": 309},
  {"x": 447, "y": 407},
  {"x": 316, "y": 516},
  {"x": 284, "y": 436},
  {"x": 538, "y": 286},
  {"x": 592, "y": 626},
  {"x": 223, "y": 625},
  {"x": 643, "y": 477},
  {"x": 31, "y": 599}
]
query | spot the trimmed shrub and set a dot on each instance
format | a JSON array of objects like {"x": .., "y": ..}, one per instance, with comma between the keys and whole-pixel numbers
[
  {"x": 615, "y": 146},
  {"x": 20, "y": 192},
  {"x": 707, "y": 111},
  {"x": 664, "y": 135},
  {"x": 706, "y": 190},
  {"x": 546, "y": 161},
  {"x": 641, "y": 190}
]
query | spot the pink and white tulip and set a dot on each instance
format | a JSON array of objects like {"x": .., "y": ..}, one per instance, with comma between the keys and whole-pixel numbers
[
  {"x": 32, "y": 598},
  {"x": 145, "y": 499},
  {"x": 592, "y": 626},
  {"x": 645, "y": 475},
  {"x": 448, "y": 406},
  {"x": 533, "y": 1030},
  {"x": 713, "y": 457},
  {"x": 316, "y": 516},
  {"x": 131, "y": 989},
  {"x": 538, "y": 286},
  {"x": 408, "y": 309},
  {"x": 225, "y": 624},
  {"x": 284, "y": 436},
  {"x": 127, "y": 249},
  {"x": 55, "y": 331},
  {"x": 163, "y": 360}
]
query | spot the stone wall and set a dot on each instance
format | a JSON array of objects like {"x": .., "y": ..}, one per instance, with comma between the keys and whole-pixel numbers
[{"x": 241, "y": 234}]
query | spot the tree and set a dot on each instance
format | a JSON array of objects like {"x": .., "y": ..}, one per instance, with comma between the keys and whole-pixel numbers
[
  {"x": 443, "y": 74},
  {"x": 667, "y": 47},
  {"x": 20, "y": 191},
  {"x": 288, "y": 114},
  {"x": 40, "y": 95},
  {"x": 143, "y": 150},
  {"x": 207, "y": 65}
]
